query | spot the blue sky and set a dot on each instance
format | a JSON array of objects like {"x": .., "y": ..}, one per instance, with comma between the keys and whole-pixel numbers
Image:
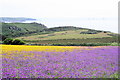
[{"x": 95, "y": 13}]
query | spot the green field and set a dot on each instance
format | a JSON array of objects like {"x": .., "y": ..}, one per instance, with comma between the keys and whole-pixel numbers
[
  {"x": 39, "y": 34},
  {"x": 74, "y": 34},
  {"x": 70, "y": 37}
]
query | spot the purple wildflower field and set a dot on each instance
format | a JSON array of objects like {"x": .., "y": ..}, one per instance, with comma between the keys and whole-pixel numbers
[{"x": 101, "y": 62}]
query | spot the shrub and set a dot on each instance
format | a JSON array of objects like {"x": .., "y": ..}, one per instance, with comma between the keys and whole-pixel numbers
[
  {"x": 91, "y": 32},
  {"x": 18, "y": 42},
  {"x": 8, "y": 41},
  {"x": 13, "y": 42},
  {"x": 88, "y": 32}
]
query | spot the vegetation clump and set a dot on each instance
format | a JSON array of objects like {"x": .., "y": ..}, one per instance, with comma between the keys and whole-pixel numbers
[
  {"x": 18, "y": 42},
  {"x": 91, "y": 32},
  {"x": 8, "y": 41},
  {"x": 13, "y": 41}
]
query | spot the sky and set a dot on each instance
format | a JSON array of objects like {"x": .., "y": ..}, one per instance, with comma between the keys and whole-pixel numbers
[{"x": 87, "y": 13}]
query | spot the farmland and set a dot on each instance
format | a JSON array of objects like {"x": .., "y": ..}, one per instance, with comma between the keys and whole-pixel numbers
[
  {"x": 59, "y": 61},
  {"x": 70, "y": 37},
  {"x": 70, "y": 34},
  {"x": 39, "y": 34}
]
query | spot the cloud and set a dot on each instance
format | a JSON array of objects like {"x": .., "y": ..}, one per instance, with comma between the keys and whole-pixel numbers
[{"x": 59, "y": 8}]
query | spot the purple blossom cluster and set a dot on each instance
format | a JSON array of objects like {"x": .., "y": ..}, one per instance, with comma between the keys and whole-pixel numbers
[{"x": 95, "y": 63}]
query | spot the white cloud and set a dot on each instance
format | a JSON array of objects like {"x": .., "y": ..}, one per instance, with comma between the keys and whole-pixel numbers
[{"x": 59, "y": 8}]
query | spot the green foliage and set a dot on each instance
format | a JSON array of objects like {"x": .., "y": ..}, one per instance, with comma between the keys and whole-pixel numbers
[
  {"x": 8, "y": 41},
  {"x": 18, "y": 42},
  {"x": 13, "y": 42}
]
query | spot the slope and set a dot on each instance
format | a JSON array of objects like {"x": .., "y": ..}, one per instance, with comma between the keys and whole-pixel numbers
[
  {"x": 20, "y": 29},
  {"x": 70, "y": 34}
]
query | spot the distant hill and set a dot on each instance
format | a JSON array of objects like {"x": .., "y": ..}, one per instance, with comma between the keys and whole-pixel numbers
[
  {"x": 20, "y": 29},
  {"x": 66, "y": 28},
  {"x": 68, "y": 32},
  {"x": 12, "y": 19},
  {"x": 37, "y": 33},
  {"x": 23, "y": 29},
  {"x": 71, "y": 36},
  {"x": 63, "y": 28}
]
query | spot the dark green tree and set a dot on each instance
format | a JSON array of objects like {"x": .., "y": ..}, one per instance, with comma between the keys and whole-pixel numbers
[
  {"x": 8, "y": 41},
  {"x": 18, "y": 42}
]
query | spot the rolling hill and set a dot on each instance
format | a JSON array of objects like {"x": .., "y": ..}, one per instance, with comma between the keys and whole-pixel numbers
[
  {"x": 20, "y": 29},
  {"x": 39, "y": 34}
]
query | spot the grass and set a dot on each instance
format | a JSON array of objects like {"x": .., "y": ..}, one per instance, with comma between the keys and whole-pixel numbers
[
  {"x": 28, "y": 26},
  {"x": 115, "y": 75},
  {"x": 21, "y": 29},
  {"x": 113, "y": 41},
  {"x": 65, "y": 35}
]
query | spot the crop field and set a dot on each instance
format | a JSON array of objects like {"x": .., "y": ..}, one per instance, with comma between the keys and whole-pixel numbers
[
  {"x": 71, "y": 34},
  {"x": 59, "y": 61},
  {"x": 74, "y": 41}
]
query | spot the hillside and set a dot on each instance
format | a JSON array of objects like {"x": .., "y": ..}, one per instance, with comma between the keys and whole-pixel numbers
[
  {"x": 67, "y": 32},
  {"x": 67, "y": 35},
  {"x": 20, "y": 29},
  {"x": 39, "y": 34}
]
